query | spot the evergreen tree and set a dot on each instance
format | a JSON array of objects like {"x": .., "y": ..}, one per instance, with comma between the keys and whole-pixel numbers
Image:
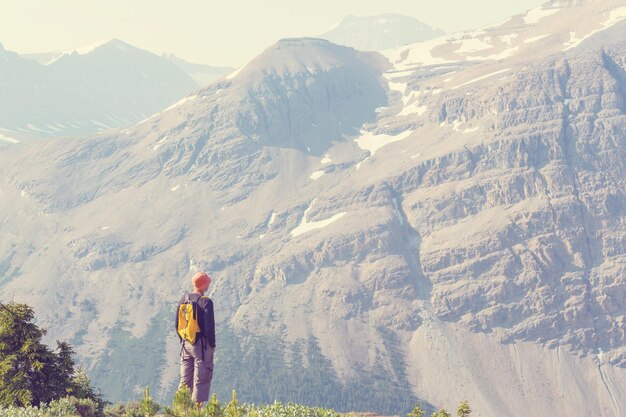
[
  {"x": 149, "y": 408},
  {"x": 233, "y": 408},
  {"x": 417, "y": 412},
  {"x": 25, "y": 363},
  {"x": 464, "y": 409},
  {"x": 441, "y": 413},
  {"x": 81, "y": 387},
  {"x": 30, "y": 372},
  {"x": 183, "y": 405},
  {"x": 214, "y": 408}
]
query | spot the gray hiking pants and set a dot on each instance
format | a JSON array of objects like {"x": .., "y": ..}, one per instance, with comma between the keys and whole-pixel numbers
[{"x": 195, "y": 372}]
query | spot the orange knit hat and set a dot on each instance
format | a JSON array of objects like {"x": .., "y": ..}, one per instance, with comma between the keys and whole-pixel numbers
[{"x": 201, "y": 281}]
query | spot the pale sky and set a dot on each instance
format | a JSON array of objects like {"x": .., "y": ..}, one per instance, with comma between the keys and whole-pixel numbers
[{"x": 217, "y": 32}]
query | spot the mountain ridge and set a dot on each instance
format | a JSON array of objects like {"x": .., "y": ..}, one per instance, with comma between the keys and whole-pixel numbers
[{"x": 101, "y": 86}]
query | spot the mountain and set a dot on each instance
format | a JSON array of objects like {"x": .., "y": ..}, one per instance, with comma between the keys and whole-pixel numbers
[
  {"x": 106, "y": 85},
  {"x": 553, "y": 28},
  {"x": 372, "y": 33},
  {"x": 202, "y": 74},
  {"x": 441, "y": 222}
]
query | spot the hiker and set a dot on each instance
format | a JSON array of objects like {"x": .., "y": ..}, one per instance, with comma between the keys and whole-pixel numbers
[{"x": 195, "y": 326}]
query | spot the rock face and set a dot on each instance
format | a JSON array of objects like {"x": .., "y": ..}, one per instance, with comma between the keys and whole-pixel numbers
[
  {"x": 85, "y": 91},
  {"x": 379, "y": 230},
  {"x": 375, "y": 33}
]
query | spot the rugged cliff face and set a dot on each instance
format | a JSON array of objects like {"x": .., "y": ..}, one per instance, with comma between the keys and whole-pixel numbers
[{"x": 379, "y": 230}]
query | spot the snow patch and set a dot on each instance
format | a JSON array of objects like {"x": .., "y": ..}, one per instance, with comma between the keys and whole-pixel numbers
[
  {"x": 535, "y": 15},
  {"x": 316, "y": 175},
  {"x": 415, "y": 108},
  {"x": 535, "y": 39},
  {"x": 357, "y": 166},
  {"x": 272, "y": 219},
  {"x": 306, "y": 226},
  {"x": 419, "y": 53},
  {"x": 31, "y": 126},
  {"x": 175, "y": 188},
  {"x": 160, "y": 142},
  {"x": 472, "y": 45},
  {"x": 379, "y": 110},
  {"x": 326, "y": 159},
  {"x": 615, "y": 16},
  {"x": 8, "y": 139},
  {"x": 97, "y": 123},
  {"x": 372, "y": 142},
  {"x": 180, "y": 102},
  {"x": 504, "y": 54},
  {"x": 509, "y": 38},
  {"x": 390, "y": 75},
  {"x": 235, "y": 73},
  {"x": 400, "y": 87},
  {"x": 481, "y": 78}
]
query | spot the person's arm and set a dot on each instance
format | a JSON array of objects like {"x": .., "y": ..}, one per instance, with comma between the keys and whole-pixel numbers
[{"x": 210, "y": 321}]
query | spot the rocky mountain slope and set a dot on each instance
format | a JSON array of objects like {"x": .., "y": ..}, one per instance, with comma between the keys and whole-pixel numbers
[
  {"x": 106, "y": 85},
  {"x": 439, "y": 223},
  {"x": 373, "y": 33}
]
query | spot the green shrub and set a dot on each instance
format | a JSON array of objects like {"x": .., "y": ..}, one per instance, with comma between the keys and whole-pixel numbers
[
  {"x": 85, "y": 407},
  {"x": 131, "y": 409},
  {"x": 63, "y": 407}
]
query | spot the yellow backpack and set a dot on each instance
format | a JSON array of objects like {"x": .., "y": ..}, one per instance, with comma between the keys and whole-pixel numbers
[{"x": 189, "y": 320}]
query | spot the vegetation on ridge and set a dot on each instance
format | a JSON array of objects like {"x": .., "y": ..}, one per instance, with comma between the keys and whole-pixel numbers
[{"x": 36, "y": 381}]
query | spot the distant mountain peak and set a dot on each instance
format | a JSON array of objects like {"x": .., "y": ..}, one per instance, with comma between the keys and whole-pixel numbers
[
  {"x": 299, "y": 42},
  {"x": 379, "y": 32},
  {"x": 203, "y": 74},
  {"x": 138, "y": 83},
  {"x": 109, "y": 42},
  {"x": 296, "y": 55}
]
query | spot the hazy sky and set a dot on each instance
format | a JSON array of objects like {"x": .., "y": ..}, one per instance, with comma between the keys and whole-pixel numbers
[{"x": 217, "y": 32}]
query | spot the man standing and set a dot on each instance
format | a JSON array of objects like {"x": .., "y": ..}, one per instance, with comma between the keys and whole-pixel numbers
[{"x": 196, "y": 364}]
